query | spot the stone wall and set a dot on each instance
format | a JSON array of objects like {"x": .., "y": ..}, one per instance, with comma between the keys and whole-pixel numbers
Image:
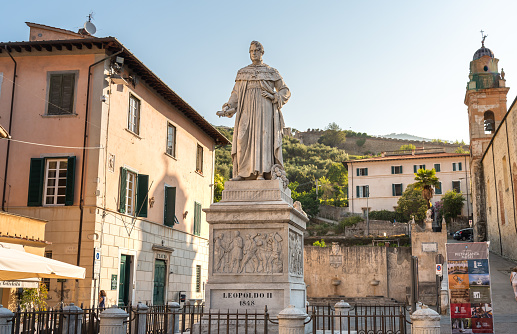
[
  {"x": 358, "y": 269},
  {"x": 376, "y": 228},
  {"x": 375, "y": 145}
]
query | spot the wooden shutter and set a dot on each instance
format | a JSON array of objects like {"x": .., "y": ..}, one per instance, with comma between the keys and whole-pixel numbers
[
  {"x": 170, "y": 206},
  {"x": 123, "y": 185},
  {"x": 61, "y": 94},
  {"x": 366, "y": 171},
  {"x": 401, "y": 170},
  {"x": 357, "y": 171},
  {"x": 414, "y": 169},
  {"x": 393, "y": 193},
  {"x": 459, "y": 166},
  {"x": 453, "y": 166},
  {"x": 357, "y": 191},
  {"x": 392, "y": 169},
  {"x": 36, "y": 178},
  {"x": 197, "y": 218},
  {"x": 142, "y": 188},
  {"x": 70, "y": 181}
]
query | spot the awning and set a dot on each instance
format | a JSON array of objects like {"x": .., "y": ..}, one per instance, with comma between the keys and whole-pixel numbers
[
  {"x": 27, "y": 283},
  {"x": 15, "y": 264}
]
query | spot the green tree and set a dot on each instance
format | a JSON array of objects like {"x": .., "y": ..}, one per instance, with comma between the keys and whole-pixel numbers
[
  {"x": 461, "y": 150},
  {"x": 452, "y": 204},
  {"x": 333, "y": 126},
  {"x": 218, "y": 187},
  {"x": 426, "y": 180},
  {"x": 411, "y": 203},
  {"x": 309, "y": 200},
  {"x": 407, "y": 147},
  {"x": 333, "y": 138},
  {"x": 34, "y": 299},
  {"x": 360, "y": 142}
]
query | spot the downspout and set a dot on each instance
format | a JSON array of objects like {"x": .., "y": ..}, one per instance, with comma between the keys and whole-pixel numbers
[
  {"x": 83, "y": 163},
  {"x": 10, "y": 128}
]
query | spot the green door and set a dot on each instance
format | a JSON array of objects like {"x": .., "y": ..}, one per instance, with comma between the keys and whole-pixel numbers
[
  {"x": 124, "y": 283},
  {"x": 159, "y": 282}
]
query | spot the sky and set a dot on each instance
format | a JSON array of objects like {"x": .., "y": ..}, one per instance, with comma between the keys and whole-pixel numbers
[{"x": 370, "y": 66}]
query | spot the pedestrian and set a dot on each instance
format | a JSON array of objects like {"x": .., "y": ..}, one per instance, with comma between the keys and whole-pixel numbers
[
  {"x": 102, "y": 299},
  {"x": 513, "y": 280}
]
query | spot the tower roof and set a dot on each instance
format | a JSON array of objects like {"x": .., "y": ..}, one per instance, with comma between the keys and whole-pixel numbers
[{"x": 483, "y": 52}]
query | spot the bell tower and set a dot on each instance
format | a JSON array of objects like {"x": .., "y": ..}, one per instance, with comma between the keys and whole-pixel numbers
[{"x": 486, "y": 104}]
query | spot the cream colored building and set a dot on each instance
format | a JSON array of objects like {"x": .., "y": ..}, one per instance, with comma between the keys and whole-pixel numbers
[
  {"x": 386, "y": 177},
  {"x": 116, "y": 162}
]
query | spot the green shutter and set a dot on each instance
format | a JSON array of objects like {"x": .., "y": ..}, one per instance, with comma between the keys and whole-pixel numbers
[
  {"x": 393, "y": 190},
  {"x": 400, "y": 169},
  {"x": 366, "y": 171},
  {"x": 170, "y": 206},
  {"x": 392, "y": 169},
  {"x": 357, "y": 171},
  {"x": 453, "y": 166},
  {"x": 459, "y": 166},
  {"x": 357, "y": 191},
  {"x": 36, "y": 178},
  {"x": 61, "y": 94},
  {"x": 414, "y": 169},
  {"x": 197, "y": 218},
  {"x": 70, "y": 181},
  {"x": 142, "y": 188},
  {"x": 123, "y": 185}
]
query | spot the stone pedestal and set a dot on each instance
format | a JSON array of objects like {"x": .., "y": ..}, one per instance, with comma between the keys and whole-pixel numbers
[{"x": 256, "y": 249}]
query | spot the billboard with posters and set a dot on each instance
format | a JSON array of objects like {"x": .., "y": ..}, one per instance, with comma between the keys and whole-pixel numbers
[{"x": 469, "y": 287}]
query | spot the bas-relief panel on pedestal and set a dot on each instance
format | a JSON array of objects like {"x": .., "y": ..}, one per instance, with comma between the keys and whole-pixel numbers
[
  {"x": 258, "y": 252},
  {"x": 295, "y": 253}
]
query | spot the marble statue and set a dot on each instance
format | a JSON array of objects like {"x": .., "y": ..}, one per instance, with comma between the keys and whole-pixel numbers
[{"x": 256, "y": 101}]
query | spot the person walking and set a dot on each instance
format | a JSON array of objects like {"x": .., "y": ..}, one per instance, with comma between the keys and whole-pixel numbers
[
  {"x": 102, "y": 299},
  {"x": 513, "y": 280}
]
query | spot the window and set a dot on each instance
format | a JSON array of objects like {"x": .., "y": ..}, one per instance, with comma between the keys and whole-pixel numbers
[
  {"x": 133, "y": 193},
  {"x": 456, "y": 166},
  {"x": 133, "y": 118},
  {"x": 197, "y": 218},
  {"x": 396, "y": 189},
  {"x": 61, "y": 94},
  {"x": 456, "y": 186},
  {"x": 437, "y": 167},
  {"x": 199, "y": 159},
  {"x": 171, "y": 140},
  {"x": 362, "y": 191},
  {"x": 198, "y": 278},
  {"x": 170, "y": 207},
  {"x": 417, "y": 167},
  {"x": 489, "y": 122},
  {"x": 51, "y": 181},
  {"x": 396, "y": 169},
  {"x": 362, "y": 171},
  {"x": 438, "y": 189}
]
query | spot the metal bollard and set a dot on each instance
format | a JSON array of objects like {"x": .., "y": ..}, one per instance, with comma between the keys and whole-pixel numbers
[
  {"x": 340, "y": 321},
  {"x": 291, "y": 321},
  {"x": 425, "y": 321},
  {"x": 73, "y": 319},
  {"x": 173, "y": 309},
  {"x": 139, "y": 325},
  {"x": 113, "y": 321},
  {"x": 6, "y": 318}
]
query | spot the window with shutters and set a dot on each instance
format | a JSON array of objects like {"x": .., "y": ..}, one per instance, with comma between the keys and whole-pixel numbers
[
  {"x": 133, "y": 193},
  {"x": 171, "y": 140},
  {"x": 133, "y": 118},
  {"x": 199, "y": 159},
  {"x": 362, "y": 171},
  {"x": 170, "y": 207},
  {"x": 457, "y": 166},
  {"x": 61, "y": 93},
  {"x": 396, "y": 169},
  {"x": 396, "y": 189},
  {"x": 417, "y": 167},
  {"x": 198, "y": 278},
  {"x": 437, "y": 167},
  {"x": 197, "y": 218},
  {"x": 51, "y": 181},
  {"x": 362, "y": 191},
  {"x": 438, "y": 189}
]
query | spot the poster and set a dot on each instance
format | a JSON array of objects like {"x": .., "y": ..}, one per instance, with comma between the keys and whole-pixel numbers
[{"x": 470, "y": 300}]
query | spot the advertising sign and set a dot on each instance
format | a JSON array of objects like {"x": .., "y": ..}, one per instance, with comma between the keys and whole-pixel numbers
[{"x": 469, "y": 288}]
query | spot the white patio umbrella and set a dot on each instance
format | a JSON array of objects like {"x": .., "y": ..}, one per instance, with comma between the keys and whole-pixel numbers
[{"x": 15, "y": 264}]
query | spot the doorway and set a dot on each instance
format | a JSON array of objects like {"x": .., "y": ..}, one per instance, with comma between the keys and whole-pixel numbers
[
  {"x": 125, "y": 280},
  {"x": 160, "y": 270}
]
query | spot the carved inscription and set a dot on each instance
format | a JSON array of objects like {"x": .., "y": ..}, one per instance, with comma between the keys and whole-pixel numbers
[
  {"x": 295, "y": 253},
  {"x": 258, "y": 252}
]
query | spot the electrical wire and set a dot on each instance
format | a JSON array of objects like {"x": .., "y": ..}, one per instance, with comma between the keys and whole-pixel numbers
[{"x": 58, "y": 146}]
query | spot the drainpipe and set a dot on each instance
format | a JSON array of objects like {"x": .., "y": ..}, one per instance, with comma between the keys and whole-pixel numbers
[
  {"x": 10, "y": 127},
  {"x": 83, "y": 163}
]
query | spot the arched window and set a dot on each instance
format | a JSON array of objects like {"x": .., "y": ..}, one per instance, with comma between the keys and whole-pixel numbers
[{"x": 489, "y": 123}]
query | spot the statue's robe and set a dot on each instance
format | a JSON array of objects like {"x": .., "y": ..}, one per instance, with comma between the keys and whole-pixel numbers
[{"x": 257, "y": 137}]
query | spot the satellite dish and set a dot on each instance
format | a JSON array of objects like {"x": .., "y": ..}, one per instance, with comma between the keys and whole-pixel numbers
[{"x": 90, "y": 28}]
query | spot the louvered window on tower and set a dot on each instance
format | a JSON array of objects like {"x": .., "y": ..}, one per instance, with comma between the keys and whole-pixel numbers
[{"x": 61, "y": 94}]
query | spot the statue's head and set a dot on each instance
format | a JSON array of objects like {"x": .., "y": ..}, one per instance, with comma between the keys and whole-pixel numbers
[{"x": 256, "y": 51}]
